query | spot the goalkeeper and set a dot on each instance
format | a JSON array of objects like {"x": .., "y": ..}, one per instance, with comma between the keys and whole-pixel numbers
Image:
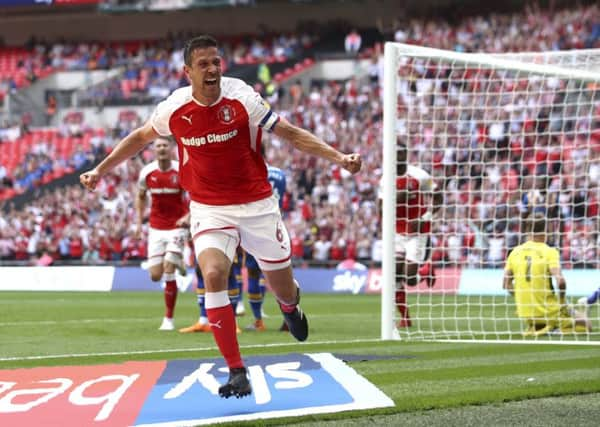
[{"x": 528, "y": 275}]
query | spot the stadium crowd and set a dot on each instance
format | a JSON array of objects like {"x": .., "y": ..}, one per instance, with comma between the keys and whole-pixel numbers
[
  {"x": 532, "y": 30},
  {"x": 152, "y": 68},
  {"x": 495, "y": 164}
]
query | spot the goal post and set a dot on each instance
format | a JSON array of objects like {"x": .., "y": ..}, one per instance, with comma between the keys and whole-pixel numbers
[
  {"x": 388, "y": 218},
  {"x": 502, "y": 135}
]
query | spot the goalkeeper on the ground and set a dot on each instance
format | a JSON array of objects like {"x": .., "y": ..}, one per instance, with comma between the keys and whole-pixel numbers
[{"x": 528, "y": 275}]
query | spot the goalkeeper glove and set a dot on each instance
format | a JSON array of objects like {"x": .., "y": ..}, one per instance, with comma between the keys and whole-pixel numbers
[{"x": 565, "y": 311}]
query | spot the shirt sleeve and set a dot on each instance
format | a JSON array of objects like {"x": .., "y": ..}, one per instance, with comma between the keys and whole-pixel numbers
[
  {"x": 162, "y": 113},
  {"x": 142, "y": 179},
  {"x": 509, "y": 259},
  {"x": 427, "y": 183},
  {"x": 142, "y": 182},
  {"x": 259, "y": 110}
]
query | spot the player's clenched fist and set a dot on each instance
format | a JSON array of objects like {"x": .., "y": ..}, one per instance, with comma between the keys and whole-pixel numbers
[
  {"x": 351, "y": 162},
  {"x": 89, "y": 179}
]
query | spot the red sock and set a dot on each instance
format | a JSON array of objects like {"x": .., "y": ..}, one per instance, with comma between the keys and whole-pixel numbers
[
  {"x": 222, "y": 323},
  {"x": 289, "y": 308},
  {"x": 170, "y": 298},
  {"x": 401, "y": 304}
]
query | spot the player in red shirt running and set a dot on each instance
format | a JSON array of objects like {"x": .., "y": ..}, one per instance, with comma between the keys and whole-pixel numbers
[
  {"x": 417, "y": 199},
  {"x": 218, "y": 123},
  {"x": 169, "y": 222}
]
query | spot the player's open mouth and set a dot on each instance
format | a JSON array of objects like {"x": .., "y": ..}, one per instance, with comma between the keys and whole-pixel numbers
[{"x": 210, "y": 82}]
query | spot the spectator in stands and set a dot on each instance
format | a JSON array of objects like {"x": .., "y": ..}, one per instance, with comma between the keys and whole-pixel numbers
[
  {"x": 91, "y": 255},
  {"x": 377, "y": 249},
  {"x": 7, "y": 245},
  {"x": 64, "y": 247},
  {"x": 352, "y": 42},
  {"x": 308, "y": 244},
  {"x": 3, "y": 177},
  {"x": 321, "y": 249},
  {"x": 50, "y": 109}
]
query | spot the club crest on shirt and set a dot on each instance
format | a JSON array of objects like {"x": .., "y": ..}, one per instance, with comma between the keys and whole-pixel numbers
[{"x": 226, "y": 114}]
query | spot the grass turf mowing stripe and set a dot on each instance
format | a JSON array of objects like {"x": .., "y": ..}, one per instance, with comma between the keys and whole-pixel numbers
[
  {"x": 339, "y": 324},
  {"x": 573, "y": 411}
]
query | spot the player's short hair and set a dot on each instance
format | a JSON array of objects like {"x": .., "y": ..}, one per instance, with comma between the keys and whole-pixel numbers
[
  {"x": 200, "y": 42},
  {"x": 537, "y": 223}
]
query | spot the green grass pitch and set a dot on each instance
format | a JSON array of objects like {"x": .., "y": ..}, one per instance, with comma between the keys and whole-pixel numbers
[{"x": 431, "y": 383}]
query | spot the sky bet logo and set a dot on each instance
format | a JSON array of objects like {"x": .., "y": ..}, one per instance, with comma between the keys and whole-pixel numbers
[
  {"x": 181, "y": 392},
  {"x": 350, "y": 281}
]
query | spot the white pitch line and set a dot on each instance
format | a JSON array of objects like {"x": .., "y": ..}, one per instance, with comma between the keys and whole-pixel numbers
[
  {"x": 61, "y": 322},
  {"x": 134, "y": 319},
  {"x": 562, "y": 342},
  {"x": 179, "y": 350}
]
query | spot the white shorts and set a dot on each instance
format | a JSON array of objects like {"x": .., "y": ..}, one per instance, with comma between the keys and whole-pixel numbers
[
  {"x": 161, "y": 242},
  {"x": 413, "y": 247},
  {"x": 256, "y": 226}
]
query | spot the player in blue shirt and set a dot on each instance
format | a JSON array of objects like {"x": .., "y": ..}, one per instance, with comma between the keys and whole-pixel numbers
[{"x": 277, "y": 180}]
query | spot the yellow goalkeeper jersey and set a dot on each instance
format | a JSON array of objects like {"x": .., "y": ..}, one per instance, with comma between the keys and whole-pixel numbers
[{"x": 530, "y": 264}]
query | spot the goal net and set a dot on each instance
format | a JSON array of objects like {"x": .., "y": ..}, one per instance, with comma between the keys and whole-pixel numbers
[{"x": 504, "y": 137}]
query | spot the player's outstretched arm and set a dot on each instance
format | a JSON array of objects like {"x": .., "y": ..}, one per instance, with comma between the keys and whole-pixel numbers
[
  {"x": 309, "y": 143},
  {"x": 508, "y": 282},
  {"x": 140, "y": 209},
  {"x": 559, "y": 279},
  {"x": 125, "y": 149}
]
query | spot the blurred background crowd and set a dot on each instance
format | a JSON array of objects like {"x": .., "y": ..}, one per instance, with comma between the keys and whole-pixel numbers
[{"x": 495, "y": 158}]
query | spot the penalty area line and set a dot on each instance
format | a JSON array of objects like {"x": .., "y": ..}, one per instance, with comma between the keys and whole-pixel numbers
[
  {"x": 179, "y": 350},
  {"x": 535, "y": 342}
]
